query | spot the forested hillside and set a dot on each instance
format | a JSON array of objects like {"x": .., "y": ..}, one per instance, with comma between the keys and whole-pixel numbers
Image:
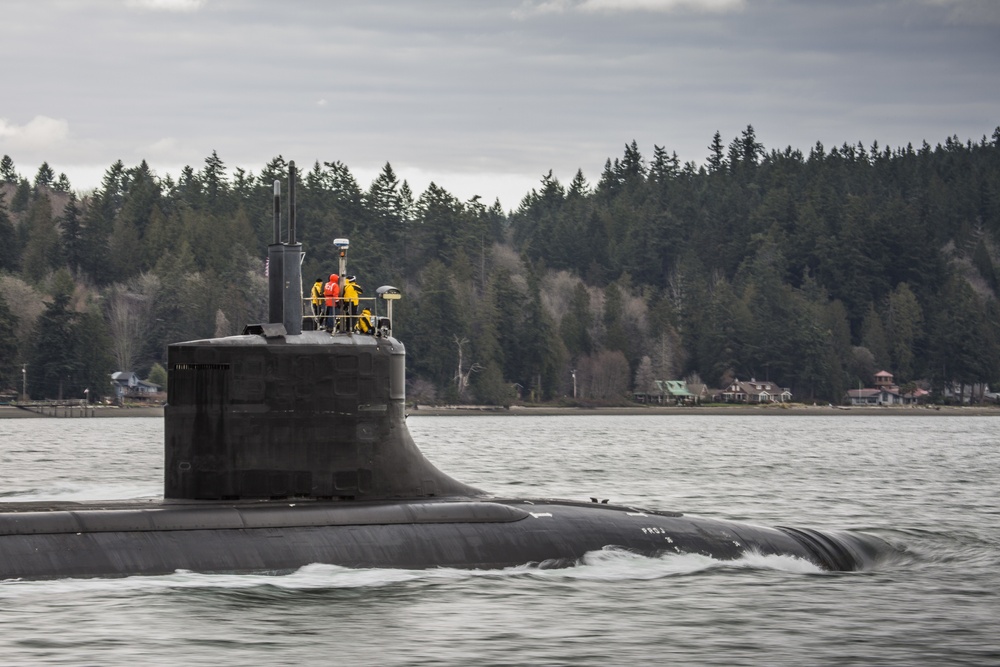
[{"x": 810, "y": 270}]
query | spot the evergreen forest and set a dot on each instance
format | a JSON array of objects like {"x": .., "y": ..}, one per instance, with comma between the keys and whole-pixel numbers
[{"x": 811, "y": 270}]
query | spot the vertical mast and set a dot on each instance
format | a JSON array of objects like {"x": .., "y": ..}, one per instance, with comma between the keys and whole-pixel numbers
[
  {"x": 292, "y": 266},
  {"x": 275, "y": 265}
]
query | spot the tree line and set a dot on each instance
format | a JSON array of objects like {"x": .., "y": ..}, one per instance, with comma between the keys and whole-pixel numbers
[{"x": 813, "y": 271}]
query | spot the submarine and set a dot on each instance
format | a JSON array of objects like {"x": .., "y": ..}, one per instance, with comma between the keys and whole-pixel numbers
[{"x": 287, "y": 445}]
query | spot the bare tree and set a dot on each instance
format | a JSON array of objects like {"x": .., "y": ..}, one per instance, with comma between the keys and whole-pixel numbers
[
  {"x": 129, "y": 314},
  {"x": 645, "y": 379},
  {"x": 557, "y": 288},
  {"x": 421, "y": 391},
  {"x": 667, "y": 354},
  {"x": 462, "y": 376},
  {"x": 635, "y": 311},
  {"x": 605, "y": 375},
  {"x": 248, "y": 302},
  {"x": 596, "y": 329},
  {"x": 222, "y": 325},
  {"x": 26, "y": 303}
]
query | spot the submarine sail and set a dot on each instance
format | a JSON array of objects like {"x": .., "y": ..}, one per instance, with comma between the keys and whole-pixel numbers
[{"x": 286, "y": 447}]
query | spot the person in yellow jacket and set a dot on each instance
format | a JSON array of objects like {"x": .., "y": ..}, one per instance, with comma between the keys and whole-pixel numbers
[
  {"x": 350, "y": 300},
  {"x": 317, "y": 303}
]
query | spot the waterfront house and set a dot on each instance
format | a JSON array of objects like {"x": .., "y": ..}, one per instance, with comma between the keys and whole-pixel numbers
[
  {"x": 755, "y": 391},
  {"x": 885, "y": 392},
  {"x": 676, "y": 391},
  {"x": 670, "y": 392},
  {"x": 127, "y": 385},
  {"x": 876, "y": 396},
  {"x": 700, "y": 392}
]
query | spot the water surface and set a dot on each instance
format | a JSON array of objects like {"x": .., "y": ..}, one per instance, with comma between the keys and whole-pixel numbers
[{"x": 925, "y": 484}]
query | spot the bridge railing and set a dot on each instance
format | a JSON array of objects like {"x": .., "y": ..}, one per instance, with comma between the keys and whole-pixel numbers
[{"x": 339, "y": 321}]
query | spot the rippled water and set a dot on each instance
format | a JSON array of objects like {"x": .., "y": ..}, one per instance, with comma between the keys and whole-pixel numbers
[{"x": 926, "y": 484}]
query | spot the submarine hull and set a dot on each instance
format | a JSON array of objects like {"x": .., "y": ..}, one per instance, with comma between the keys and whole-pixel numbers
[{"x": 159, "y": 537}]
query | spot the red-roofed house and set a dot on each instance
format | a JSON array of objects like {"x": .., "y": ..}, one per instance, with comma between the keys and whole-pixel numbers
[{"x": 885, "y": 392}]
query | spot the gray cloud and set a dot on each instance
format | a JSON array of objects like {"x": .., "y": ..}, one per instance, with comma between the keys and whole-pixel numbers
[
  {"x": 166, "y": 5},
  {"x": 484, "y": 96}
]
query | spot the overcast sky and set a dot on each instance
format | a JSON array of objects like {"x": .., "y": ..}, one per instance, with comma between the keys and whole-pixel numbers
[{"x": 481, "y": 97}]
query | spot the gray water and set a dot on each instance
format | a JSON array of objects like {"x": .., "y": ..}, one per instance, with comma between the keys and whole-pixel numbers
[{"x": 925, "y": 484}]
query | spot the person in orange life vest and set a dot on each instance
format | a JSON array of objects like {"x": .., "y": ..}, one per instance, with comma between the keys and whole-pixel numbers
[{"x": 331, "y": 291}]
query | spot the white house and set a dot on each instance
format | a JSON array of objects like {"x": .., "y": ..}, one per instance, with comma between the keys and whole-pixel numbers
[{"x": 128, "y": 385}]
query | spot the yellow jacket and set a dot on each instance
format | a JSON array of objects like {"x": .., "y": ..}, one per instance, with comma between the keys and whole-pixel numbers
[{"x": 351, "y": 292}]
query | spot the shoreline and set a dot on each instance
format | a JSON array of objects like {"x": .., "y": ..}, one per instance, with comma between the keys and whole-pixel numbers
[
  {"x": 795, "y": 410},
  {"x": 77, "y": 412}
]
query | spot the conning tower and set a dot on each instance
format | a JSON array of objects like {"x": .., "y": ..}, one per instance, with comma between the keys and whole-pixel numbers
[{"x": 283, "y": 413}]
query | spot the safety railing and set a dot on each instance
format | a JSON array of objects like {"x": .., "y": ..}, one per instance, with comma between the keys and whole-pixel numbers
[{"x": 362, "y": 319}]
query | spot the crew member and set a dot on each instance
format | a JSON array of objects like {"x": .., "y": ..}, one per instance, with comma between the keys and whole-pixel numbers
[
  {"x": 318, "y": 308},
  {"x": 331, "y": 291},
  {"x": 351, "y": 291}
]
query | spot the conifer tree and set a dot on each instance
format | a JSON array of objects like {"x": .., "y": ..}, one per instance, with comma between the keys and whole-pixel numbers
[
  {"x": 44, "y": 177},
  {"x": 91, "y": 345},
  {"x": 441, "y": 227},
  {"x": 100, "y": 211},
  {"x": 158, "y": 376},
  {"x": 215, "y": 184},
  {"x": 43, "y": 250},
  {"x": 143, "y": 195},
  {"x": 383, "y": 200},
  {"x": 387, "y": 222},
  {"x": 7, "y": 172},
  {"x": 575, "y": 325},
  {"x": 53, "y": 364},
  {"x": 243, "y": 185},
  {"x": 276, "y": 169},
  {"x": 488, "y": 385},
  {"x": 873, "y": 337},
  {"x": 432, "y": 312},
  {"x": 632, "y": 167},
  {"x": 904, "y": 326},
  {"x": 716, "y": 156},
  {"x": 22, "y": 197},
  {"x": 72, "y": 234},
  {"x": 751, "y": 150}
]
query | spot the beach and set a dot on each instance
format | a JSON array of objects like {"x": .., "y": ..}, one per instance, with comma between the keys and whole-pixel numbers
[
  {"x": 76, "y": 412},
  {"x": 773, "y": 409}
]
